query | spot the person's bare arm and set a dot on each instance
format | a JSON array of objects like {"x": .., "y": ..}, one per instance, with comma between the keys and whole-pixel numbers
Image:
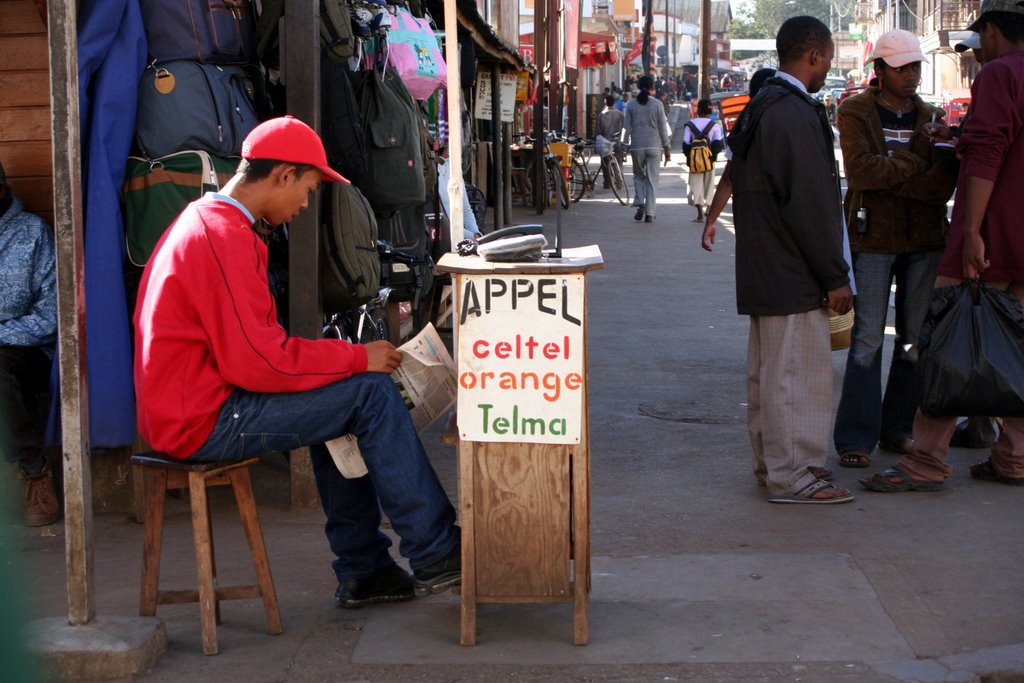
[
  {"x": 722, "y": 194},
  {"x": 977, "y": 193}
]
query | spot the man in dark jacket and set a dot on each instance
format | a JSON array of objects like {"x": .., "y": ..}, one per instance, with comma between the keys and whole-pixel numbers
[
  {"x": 789, "y": 265},
  {"x": 899, "y": 183}
]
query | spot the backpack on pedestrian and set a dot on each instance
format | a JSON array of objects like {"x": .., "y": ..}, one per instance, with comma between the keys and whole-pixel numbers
[{"x": 699, "y": 156}]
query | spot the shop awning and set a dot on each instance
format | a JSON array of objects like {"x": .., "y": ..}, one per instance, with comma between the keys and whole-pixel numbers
[{"x": 596, "y": 49}]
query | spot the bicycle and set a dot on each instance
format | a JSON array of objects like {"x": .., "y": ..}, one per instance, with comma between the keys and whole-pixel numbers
[
  {"x": 556, "y": 185},
  {"x": 378, "y": 318},
  {"x": 583, "y": 181}
]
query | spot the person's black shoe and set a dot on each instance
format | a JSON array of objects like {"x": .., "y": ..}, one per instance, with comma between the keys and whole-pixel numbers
[
  {"x": 391, "y": 585},
  {"x": 441, "y": 575},
  {"x": 639, "y": 215},
  {"x": 648, "y": 219}
]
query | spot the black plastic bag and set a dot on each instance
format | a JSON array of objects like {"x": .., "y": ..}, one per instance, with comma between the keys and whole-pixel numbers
[{"x": 972, "y": 354}]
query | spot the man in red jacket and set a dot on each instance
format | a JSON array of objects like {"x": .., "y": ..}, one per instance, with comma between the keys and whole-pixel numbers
[{"x": 218, "y": 378}]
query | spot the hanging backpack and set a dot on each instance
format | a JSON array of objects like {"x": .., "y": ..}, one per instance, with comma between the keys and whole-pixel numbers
[
  {"x": 349, "y": 265},
  {"x": 698, "y": 152},
  {"x": 155, "y": 191},
  {"x": 186, "y": 105},
  {"x": 341, "y": 122},
  {"x": 392, "y": 130},
  {"x": 407, "y": 231},
  {"x": 209, "y": 31},
  {"x": 336, "y": 36}
]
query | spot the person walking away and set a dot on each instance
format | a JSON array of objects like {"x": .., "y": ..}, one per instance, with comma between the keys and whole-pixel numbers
[
  {"x": 609, "y": 126},
  {"x": 216, "y": 377},
  {"x": 28, "y": 339},
  {"x": 898, "y": 186},
  {"x": 701, "y": 183},
  {"x": 647, "y": 134},
  {"x": 985, "y": 239},
  {"x": 789, "y": 265}
]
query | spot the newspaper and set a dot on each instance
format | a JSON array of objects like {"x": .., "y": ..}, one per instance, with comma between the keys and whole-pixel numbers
[{"x": 426, "y": 379}]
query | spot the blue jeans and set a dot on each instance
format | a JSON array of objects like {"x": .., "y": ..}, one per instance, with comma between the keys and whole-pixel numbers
[
  {"x": 401, "y": 479},
  {"x": 864, "y": 416}
]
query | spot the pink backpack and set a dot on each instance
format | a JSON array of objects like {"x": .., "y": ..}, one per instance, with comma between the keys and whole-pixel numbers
[{"x": 413, "y": 50}]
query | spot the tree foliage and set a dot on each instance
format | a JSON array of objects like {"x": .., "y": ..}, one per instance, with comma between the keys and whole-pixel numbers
[{"x": 762, "y": 20}]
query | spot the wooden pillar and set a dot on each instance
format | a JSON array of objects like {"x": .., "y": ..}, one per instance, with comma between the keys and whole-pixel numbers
[
  {"x": 74, "y": 376},
  {"x": 301, "y": 50},
  {"x": 497, "y": 143},
  {"x": 705, "y": 49},
  {"x": 506, "y": 180}
]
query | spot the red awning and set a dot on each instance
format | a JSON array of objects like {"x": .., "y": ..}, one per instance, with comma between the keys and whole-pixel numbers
[{"x": 596, "y": 49}]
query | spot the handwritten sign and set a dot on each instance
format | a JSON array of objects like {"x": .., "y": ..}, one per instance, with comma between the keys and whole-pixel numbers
[
  {"x": 483, "y": 96},
  {"x": 521, "y": 358}
]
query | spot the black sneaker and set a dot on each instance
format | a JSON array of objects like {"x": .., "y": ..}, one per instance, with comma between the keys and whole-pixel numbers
[
  {"x": 441, "y": 575},
  {"x": 648, "y": 219},
  {"x": 639, "y": 215},
  {"x": 391, "y": 585}
]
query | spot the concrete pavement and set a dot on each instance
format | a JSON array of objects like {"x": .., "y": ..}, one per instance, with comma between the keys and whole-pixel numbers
[{"x": 695, "y": 576}]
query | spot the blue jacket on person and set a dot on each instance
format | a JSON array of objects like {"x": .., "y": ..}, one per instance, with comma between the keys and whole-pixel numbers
[{"x": 28, "y": 280}]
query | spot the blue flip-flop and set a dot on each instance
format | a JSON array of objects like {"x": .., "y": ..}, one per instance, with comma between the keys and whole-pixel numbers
[
  {"x": 883, "y": 483},
  {"x": 806, "y": 495}
]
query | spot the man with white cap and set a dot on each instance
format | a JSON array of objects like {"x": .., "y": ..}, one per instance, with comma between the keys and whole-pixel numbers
[
  {"x": 985, "y": 239},
  {"x": 898, "y": 186},
  {"x": 972, "y": 43},
  {"x": 217, "y": 378}
]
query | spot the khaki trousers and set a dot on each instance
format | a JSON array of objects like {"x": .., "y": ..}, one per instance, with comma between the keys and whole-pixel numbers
[
  {"x": 932, "y": 434},
  {"x": 789, "y": 397}
]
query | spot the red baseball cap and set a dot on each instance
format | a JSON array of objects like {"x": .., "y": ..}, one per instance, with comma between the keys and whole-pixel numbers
[{"x": 288, "y": 139}]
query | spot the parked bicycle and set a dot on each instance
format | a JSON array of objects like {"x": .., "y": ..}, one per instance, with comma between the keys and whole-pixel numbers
[
  {"x": 378, "y": 318},
  {"x": 555, "y": 185},
  {"x": 583, "y": 181}
]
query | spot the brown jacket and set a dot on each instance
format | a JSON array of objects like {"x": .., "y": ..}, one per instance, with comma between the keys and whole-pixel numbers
[{"x": 905, "y": 194}]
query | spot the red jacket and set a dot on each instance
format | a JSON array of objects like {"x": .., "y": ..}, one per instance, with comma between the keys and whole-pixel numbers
[{"x": 205, "y": 324}]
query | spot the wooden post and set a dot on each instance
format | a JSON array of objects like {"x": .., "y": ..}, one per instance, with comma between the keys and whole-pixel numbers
[
  {"x": 456, "y": 184},
  {"x": 496, "y": 147},
  {"x": 302, "y": 74},
  {"x": 70, "y": 249},
  {"x": 705, "y": 49}
]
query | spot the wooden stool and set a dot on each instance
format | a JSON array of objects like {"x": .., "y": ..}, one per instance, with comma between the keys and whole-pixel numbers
[{"x": 162, "y": 473}]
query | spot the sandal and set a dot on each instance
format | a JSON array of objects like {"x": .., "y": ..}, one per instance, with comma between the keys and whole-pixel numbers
[
  {"x": 809, "y": 494},
  {"x": 820, "y": 473},
  {"x": 986, "y": 471},
  {"x": 855, "y": 458},
  {"x": 904, "y": 446},
  {"x": 893, "y": 480}
]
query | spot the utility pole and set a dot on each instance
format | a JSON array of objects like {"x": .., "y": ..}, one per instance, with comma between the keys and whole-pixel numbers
[
  {"x": 540, "y": 52},
  {"x": 648, "y": 21},
  {"x": 705, "y": 49}
]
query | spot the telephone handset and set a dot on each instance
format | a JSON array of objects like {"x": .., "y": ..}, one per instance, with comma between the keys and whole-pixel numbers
[{"x": 511, "y": 231}]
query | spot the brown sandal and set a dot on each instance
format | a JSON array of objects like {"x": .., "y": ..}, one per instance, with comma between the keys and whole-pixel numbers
[{"x": 855, "y": 459}]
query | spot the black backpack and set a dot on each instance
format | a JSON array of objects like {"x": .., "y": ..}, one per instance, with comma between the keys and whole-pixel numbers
[
  {"x": 349, "y": 266},
  {"x": 407, "y": 230},
  {"x": 341, "y": 122},
  {"x": 393, "y": 132},
  {"x": 336, "y": 36}
]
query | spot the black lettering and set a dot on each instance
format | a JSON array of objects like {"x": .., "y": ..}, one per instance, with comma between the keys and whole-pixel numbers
[
  {"x": 469, "y": 294},
  {"x": 495, "y": 290},
  {"x": 565, "y": 305},
  {"x": 542, "y": 294}
]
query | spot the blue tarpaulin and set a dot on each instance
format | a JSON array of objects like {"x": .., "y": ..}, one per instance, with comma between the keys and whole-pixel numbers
[{"x": 111, "y": 58}]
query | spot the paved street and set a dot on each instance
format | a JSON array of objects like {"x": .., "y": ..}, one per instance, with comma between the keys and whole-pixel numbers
[{"x": 696, "y": 576}]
